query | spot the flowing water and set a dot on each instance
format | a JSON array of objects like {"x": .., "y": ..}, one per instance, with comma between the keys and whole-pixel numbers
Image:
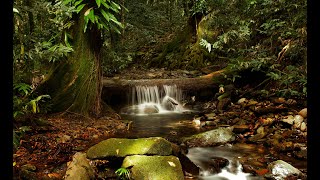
[{"x": 157, "y": 112}]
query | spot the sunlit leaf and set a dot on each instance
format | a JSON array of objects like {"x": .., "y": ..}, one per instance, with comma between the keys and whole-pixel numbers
[
  {"x": 87, "y": 12},
  {"x": 79, "y": 8},
  {"x": 98, "y": 2},
  {"x": 105, "y": 15},
  {"x": 15, "y": 10}
]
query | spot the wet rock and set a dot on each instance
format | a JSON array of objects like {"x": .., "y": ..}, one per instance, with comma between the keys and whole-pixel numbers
[
  {"x": 169, "y": 103},
  {"x": 216, "y": 164},
  {"x": 279, "y": 170},
  {"x": 130, "y": 110},
  {"x": 210, "y": 123},
  {"x": 301, "y": 154},
  {"x": 213, "y": 137},
  {"x": 303, "y": 112},
  {"x": 150, "y": 109},
  {"x": 154, "y": 167},
  {"x": 79, "y": 168},
  {"x": 119, "y": 147},
  {"x": 199, "y": 122},
  {"x": 223, "y": 103},
  {"x": 187, "y": 165}
]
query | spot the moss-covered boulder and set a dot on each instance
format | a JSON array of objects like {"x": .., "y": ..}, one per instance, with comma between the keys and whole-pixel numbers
[
  {"x": 154, "y": 167},
  {"x": 119, "y": 147},
  {"x": 210, "y": 138}
]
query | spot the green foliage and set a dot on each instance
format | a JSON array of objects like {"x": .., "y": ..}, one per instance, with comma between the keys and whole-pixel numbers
[
  {"x": 99, "y": 13},
  {"x": 263, "y": 35},
  {"x": 114, "y": 62},
  {"x": 206, "y": 44},
  {"x": 199, "y": 6},
  {"x": 123, "y": 173},
  {"x": 25, "y": 101},
  {"x": 292, "y": 80},
  {"x": 38, "y": 28}
]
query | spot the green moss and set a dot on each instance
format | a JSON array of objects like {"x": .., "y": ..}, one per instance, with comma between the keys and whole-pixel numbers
[
  {"x": 154, "y": 167},
  {"x": 118, "y": 147},
  {"x": 74, "y": 84}
]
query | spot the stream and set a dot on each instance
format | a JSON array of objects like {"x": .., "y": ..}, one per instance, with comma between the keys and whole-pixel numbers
[
  {"x": 173, "y": 126},
  {"x": 154, "y": 113}
]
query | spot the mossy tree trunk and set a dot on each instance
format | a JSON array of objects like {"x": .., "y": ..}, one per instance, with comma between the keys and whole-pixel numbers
[{"x": 74, "y": 84}]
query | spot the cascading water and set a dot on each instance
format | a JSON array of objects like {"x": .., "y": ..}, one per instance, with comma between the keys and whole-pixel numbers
[{"x": 154, "y": 99}]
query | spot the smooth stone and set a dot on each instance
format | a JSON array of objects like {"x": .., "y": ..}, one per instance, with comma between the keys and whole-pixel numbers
[
  {"x": 154, "y": 167},
  {"x": 303, "y": 112},
  {"x": 281, "y": 170},
  {"x": 121, "y": 147}
]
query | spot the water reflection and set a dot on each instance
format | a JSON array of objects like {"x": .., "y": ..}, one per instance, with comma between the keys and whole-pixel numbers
[{"x": 161, "y": 125}]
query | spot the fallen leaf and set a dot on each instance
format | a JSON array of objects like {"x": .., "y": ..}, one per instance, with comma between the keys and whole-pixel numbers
[
  {"x": 261, "y": 171},
  {"x": 54, "y": 175}
]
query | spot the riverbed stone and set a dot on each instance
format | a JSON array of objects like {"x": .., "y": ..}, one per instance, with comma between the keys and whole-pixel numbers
[
  {"x": 154, "y": 167},
  {"x": 79, "y": 168},
  {"x": 121, "y": 147},
  {"x": 217, "y": 136},
  {"x": 303, "y": 112},
  {"x": 281, "y": 170}
]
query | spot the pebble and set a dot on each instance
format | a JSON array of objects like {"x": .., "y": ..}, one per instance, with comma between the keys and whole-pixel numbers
[
  {"x": 303, "y": 113},
  {"x": 298, "y": 119},
  {"x": 303, "y": 126}
]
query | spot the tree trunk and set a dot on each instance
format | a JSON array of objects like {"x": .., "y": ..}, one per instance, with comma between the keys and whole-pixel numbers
[{"x": 75, "y": 84}]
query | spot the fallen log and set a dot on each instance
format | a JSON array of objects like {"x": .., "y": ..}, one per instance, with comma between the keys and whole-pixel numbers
[
  {"x": 116, "y": 91},
  {"x": 186, "y": 84}
]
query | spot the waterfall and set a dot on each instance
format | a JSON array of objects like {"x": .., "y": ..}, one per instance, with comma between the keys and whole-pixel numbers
[{"x": 154, "y": 99}]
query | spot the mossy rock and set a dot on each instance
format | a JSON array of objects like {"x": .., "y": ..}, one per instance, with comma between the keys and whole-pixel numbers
[
  {"x": 120, "y": 147},
  {"x": 211, "y": 138},
  {"x": 154, "y": 167}
]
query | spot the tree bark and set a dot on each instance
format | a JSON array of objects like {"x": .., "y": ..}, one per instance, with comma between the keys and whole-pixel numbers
[{"x": 75, "y": 84}]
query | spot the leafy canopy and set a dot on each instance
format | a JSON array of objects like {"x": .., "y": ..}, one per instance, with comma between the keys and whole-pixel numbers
[{"x": 98, "y": 12}]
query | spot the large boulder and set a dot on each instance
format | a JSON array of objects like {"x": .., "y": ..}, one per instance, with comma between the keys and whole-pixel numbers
[
  {"x": 211, "y": 138},
  {"x": 119, "y": 147},
  {"x": 79, "y": 168},
  {"x": 154, "y": 167},
  {"x": 282, "y": 170}
]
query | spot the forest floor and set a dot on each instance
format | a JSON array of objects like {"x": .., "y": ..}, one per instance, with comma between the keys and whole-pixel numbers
[
  {"x": 51, "y": 140},
  {"x": 46, "y": 147}
]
